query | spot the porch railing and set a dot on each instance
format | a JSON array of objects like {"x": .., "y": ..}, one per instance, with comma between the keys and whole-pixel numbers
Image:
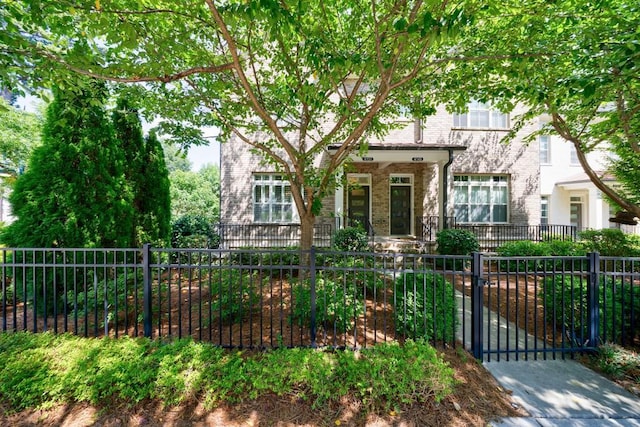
[
  {"x": 490, "y": 236},
  {"x": 234, "y": 236}
]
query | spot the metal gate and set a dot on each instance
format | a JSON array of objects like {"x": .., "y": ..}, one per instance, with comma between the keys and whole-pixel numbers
[{"x": 550, "y": 307}]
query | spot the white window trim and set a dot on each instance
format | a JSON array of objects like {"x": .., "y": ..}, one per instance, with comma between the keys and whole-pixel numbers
[
  {"x": 547, "y": 159},
  {"x": 489, "y": 109},
  {"x": 506, "y": 184},
  {"x": 272, "y": 182}
]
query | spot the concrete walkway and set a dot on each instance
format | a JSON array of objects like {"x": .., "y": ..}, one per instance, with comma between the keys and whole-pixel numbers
[{"x": 554, "y": 392}]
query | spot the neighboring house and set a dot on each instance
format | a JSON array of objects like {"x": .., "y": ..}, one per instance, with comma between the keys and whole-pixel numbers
[
  {"x": 567, "y": 195},
  {"x": 447, "y": 165}
]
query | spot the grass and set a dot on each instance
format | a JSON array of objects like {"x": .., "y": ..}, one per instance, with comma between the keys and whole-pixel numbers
[{"x": 39, "y": 371}]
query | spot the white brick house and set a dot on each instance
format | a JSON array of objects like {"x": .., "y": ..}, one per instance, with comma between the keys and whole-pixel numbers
[{"x": 567, "y": 195}]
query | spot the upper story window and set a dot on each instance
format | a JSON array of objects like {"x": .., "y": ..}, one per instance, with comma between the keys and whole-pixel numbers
[
  {"x": 272, "y": 200},
  {"x": 481, "y": 198},
  {"x": 545, "y": 149},
  {"x": 481, "y": 116}
]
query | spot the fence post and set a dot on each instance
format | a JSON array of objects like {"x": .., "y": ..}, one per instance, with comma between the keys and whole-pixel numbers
[
  {"x": 146, "y": 283},
  {"x": 477, "y": 306},
  {"x": 312, "y": 278},
  {"x": 593, "y": 302}
]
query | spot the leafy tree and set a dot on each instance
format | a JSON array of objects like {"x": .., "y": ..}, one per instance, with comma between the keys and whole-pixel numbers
[
  {"x": 145, "y": 174},
  {"x": 175, "y": 158},
  {"x": 73, "y": 194},
  {"x": 19, "y": 135},
  {"x": 196, "y": 193},
  {"x": 575, "y": 62},
  {"x": 267, "y": 73}
]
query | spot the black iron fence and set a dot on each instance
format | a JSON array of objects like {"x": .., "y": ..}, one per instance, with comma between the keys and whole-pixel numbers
[
  {"x": 491, "y": 236},
  {"x": 234, "y": 236},
  {"x": 497, "y": 307}
]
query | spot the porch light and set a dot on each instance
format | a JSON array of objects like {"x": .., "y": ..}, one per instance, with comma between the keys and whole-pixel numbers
[{"x": 623, "y": 217}]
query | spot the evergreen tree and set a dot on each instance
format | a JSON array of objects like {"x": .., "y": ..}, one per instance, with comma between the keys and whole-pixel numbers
[
  {"x": 146, "y": 175},
  {"x": 156, "y": 204},
  {"x": 128, "y": 133},
  {"x": 73, "y": 193}
]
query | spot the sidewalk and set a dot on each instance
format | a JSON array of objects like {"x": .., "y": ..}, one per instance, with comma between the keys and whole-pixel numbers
[{"x": 556, "y": 392}]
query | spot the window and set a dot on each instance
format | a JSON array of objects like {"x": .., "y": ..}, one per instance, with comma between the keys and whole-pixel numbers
[
  {"x": 481, "y": 198},
  {"x": 544, "y": 210},
  {"x": 481, "y": 115},
  {"x": 272, "y": 201},
  {"x": 545, "y": 149},
  {"x": 573, "y": 161}
]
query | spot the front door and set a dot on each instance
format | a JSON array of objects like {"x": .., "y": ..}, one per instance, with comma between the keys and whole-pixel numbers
[
  {"x": 400, "y": 210},
  {"x": 575, "y": 216},
  {"x": 359, "y": 205}
]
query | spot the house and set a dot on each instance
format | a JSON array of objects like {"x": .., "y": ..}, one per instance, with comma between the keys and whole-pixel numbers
[
  {"x": 407, "y": 184},
  {"x": 567, "y": 195}
]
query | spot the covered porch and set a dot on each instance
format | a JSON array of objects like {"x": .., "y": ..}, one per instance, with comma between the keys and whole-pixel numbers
[{"x": 390, "y": 188}]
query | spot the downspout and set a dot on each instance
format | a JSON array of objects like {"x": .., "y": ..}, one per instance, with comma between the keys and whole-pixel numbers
[{"x": 445, "y": 184}]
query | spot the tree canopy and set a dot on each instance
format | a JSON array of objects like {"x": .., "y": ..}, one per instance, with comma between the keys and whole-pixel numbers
[
  {"x": 269, "y": 73},
  {"x": 574, "y": 63},
  {"x": 291, "y": 78},
  {"x": 19, "y": 135},
  {"x": 196, "y": 193}
]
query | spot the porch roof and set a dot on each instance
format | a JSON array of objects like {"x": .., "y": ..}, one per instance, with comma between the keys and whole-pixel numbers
[
  {"x": 582, "y": 181},
  {"x": 403, "y": 153}
]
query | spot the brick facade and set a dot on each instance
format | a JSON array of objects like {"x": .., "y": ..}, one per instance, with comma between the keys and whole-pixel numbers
[{"x": 485, "y": 154}]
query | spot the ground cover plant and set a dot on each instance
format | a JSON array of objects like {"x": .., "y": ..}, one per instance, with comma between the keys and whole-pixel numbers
[{"x": 42, "y": 370}]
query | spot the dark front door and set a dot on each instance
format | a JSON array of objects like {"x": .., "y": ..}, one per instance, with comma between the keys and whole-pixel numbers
[
  {"x": 359, "y": 205},
  {"x": 400, "y": 210}
]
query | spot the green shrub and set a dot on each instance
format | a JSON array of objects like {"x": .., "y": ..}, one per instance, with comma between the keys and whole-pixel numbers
[
  {"x": 523, "y": 248},
  {"x": 609, "y": 242},
  {"x": 351, "y": 239},
  {"x": 233, "y": 293},
  {"x": 425, "y": 307},
  {"x": 193, "y": 231},
  {"x": 565, "y": 300},
  {"x": 338, "y": 303},
  {"x": 527, "y": 248},
  {"x": 358, "y": 272},
  {"x": 286, "y": 256},
  {"x": 43, "y": 370},
  {"x": 108, "y": 296},
  {"x": 565, "y": 248},
  {"x": 453, "y": 241}
]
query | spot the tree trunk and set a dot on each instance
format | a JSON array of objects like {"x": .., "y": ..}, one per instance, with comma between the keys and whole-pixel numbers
[{"x": 307, "y": 221}]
